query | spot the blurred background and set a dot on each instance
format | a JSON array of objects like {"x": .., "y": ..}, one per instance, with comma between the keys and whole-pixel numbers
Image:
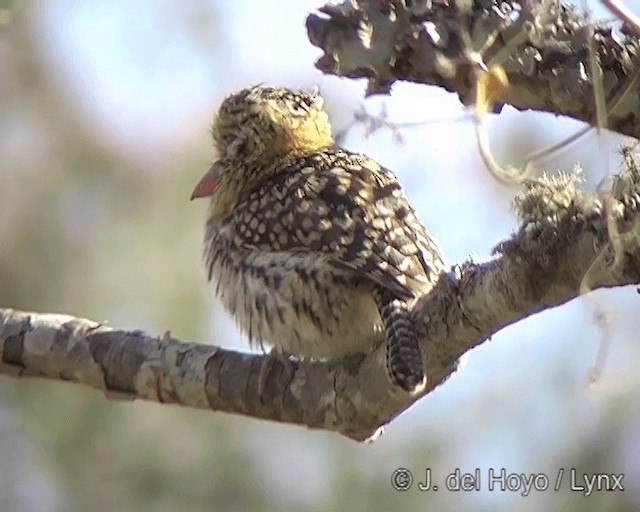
[{"x": 105, "y": 111}]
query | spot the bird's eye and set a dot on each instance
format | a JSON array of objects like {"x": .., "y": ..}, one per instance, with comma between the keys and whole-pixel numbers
[{"x": 238, "y": 145}]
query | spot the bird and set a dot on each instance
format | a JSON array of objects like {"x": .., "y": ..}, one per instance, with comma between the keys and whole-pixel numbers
[{"x": 313, "y": 249}]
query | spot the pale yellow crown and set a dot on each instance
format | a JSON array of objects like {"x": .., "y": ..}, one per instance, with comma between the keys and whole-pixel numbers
[{"x": 261, "y": 124}]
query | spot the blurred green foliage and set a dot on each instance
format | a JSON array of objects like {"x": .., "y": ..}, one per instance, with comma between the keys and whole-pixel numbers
[{"x": 93, "y": 229}]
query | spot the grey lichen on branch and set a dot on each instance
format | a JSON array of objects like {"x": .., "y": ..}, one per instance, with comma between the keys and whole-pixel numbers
[
  {"x": 555, "y": 210},
  {"x": 565, "y": 233},
  {"x": 545, "y": 49}
]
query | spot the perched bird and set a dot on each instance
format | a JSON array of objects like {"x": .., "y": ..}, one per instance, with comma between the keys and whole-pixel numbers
[{"x": 313, "y": 249}]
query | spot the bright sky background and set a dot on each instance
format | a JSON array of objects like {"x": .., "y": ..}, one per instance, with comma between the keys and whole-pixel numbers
[{"x": 150, "y": 79}]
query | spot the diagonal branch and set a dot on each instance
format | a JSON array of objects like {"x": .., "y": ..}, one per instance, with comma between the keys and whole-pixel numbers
[
  {"x": 565, "y": 241},
  {"x": 544, "y": 47}
]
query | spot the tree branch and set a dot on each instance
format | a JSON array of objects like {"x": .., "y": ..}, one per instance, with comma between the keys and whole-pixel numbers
[
  {"x": 545, "y": 48},
  {"x": 569, "y": 241}
]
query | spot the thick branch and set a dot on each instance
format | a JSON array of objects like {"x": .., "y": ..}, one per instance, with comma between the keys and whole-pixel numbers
[
  {"x": 545, "y": 48},
  {"x": 569, "y": 241}
]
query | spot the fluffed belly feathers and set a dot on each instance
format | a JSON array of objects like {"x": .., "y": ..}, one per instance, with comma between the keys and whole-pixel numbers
[{"x": 299, "y": 304}]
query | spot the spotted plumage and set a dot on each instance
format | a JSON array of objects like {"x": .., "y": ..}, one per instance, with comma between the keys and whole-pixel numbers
[{"x": 313, "y": 249}]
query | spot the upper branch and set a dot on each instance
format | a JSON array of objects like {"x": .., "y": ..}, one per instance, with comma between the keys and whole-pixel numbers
[{"x": 545, "y": 48}]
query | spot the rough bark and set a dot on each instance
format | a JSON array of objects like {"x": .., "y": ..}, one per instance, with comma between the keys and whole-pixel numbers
[
  {"x": 552, "y": 54},
  {"x": 569, "y": 241}
]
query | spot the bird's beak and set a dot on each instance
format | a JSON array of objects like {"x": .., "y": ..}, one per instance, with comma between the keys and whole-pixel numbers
[{"x": 207, "y": 183}]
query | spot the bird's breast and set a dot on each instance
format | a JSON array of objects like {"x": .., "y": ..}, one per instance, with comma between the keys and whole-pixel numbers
[{"x": 298, "y": 303}]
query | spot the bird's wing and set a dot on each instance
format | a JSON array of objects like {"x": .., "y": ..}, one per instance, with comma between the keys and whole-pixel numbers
[{"x": 349, "y": 208}]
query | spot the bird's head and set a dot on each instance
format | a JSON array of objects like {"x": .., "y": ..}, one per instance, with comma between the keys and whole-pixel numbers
[{"x": 253, "y": 130}]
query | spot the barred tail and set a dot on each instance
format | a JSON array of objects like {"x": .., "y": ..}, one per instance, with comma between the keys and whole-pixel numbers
[{"x": 404, "y": 358}]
